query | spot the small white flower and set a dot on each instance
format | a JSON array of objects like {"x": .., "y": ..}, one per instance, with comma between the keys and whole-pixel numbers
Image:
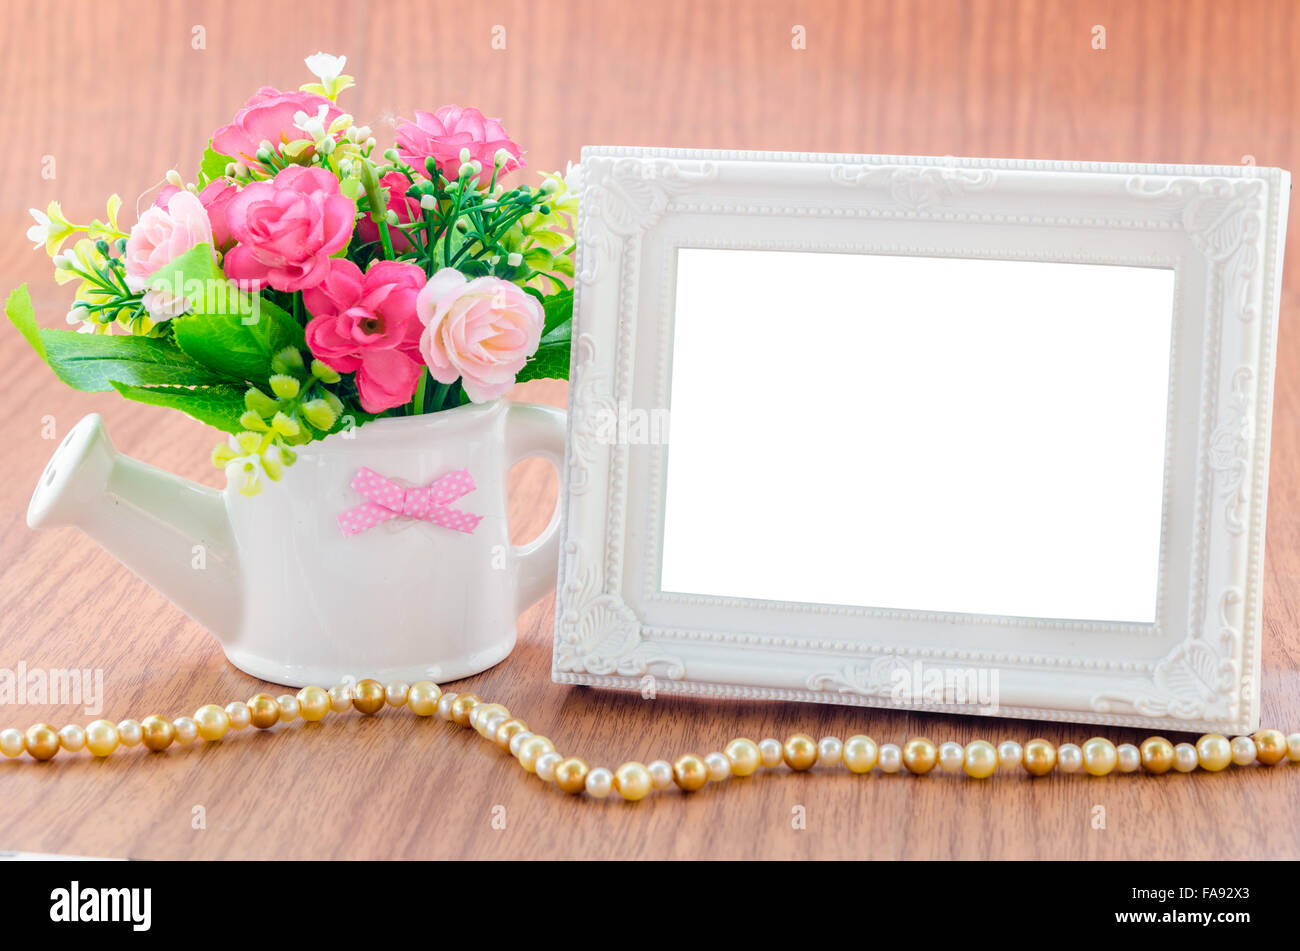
[
  {"x": 163, "y": 305},
  {"x": 573, "y": 177},
  {"x": 314, "y": 126},
  {"x": 325, "y": 66},
  {"x": 39, "y": 232}
]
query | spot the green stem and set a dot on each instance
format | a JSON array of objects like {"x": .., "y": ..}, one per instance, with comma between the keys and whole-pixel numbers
[
  {"x": 417, "y": 401},
  {"x": 438, "y": 396}
]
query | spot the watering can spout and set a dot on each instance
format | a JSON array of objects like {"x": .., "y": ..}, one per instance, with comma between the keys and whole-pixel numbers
[{"x": 175, "y": 534}]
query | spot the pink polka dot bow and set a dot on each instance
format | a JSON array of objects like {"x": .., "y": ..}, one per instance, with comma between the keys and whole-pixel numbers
[{"x": 428, "y": 503}]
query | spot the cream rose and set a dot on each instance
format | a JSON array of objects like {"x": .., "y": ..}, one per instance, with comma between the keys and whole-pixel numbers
[{"x": 481, "y": 331}]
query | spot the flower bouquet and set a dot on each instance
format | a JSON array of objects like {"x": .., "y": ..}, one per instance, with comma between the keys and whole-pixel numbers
[{"x": 302, "y": 284}]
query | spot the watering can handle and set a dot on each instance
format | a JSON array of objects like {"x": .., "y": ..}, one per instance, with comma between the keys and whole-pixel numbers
[{"x": 535, "y": 430}]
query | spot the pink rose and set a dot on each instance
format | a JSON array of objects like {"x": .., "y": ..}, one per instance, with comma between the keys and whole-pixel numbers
[
  {"x": 441, "y": 135},
  {"x": 268, "y": 117},
  {"x": 163, "y": 234},
  {"x": 482, "y": 331},
  {"x": 406, "y": 209},
  {"x": 367, "y": 323},
  {"x": 215, "y": 196},
  {"x": 287, "y": 228}
]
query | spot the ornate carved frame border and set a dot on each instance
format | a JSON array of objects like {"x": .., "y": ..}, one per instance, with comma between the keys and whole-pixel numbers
[{"x": 1220, "y": 228}]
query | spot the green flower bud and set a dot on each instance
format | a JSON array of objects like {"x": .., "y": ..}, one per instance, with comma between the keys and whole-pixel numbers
[
  {"x": 222, "y": 453},
  {"x": 333, "y": 402},
  {"x": 259, "y": 402},
  {"x": 288, "y": 456},
  {"x": 288, "y": 360},
  {"x": 250, "y": 419},
  {"x": 391, "y": 217},
  {"x": 249, "y": 443},
  {"x": 320, "y": 414},
  {"x": 284, "y": 386},
  {"x": 272, "y": 464},
  {"x": 324, "y": 372},
  {"x": 390, "y": 154},
  {"x": 285, "y": 425}
]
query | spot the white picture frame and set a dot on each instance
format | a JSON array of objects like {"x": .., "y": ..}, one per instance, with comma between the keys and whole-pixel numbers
[{"x": 1221, "y": 230}]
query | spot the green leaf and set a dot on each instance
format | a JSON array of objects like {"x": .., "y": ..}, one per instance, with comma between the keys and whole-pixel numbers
[
  {"x": 213, "y": 165},
  {"x": 559, "y": 309},
  {"x": 551, "y": 361},
  {"x": 548, "y": 363},
  {"x": 92, "y": 362},
  {"x": 539, "y": 259},
  {"x": 232, "y": 332},
  {"x": 219, "y": 405},
  {"x": 19, "y": 310},
  {"x": 552, "y": 241}
]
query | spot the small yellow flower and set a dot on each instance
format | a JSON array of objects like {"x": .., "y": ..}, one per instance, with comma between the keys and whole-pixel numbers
[
  {"x": 51, "y": 228},
  {"x": 98, "y": 230}
]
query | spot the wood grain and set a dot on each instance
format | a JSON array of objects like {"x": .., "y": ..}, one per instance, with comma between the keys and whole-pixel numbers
[{"x": 116, "y": 93}]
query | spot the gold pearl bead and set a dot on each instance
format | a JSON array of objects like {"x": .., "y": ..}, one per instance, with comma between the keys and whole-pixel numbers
[
  {"x": 571, "y": 775},
  {"x": 129, "y": 732},
  {"x": 861, "y": 753},
  {"x": 187, "y": 731},
  {"x": 1271, "y": 746},
  {"x": 41, "y": 741},
  {"x": 313, "y": 703},
  {"x": 369, "y": 697},
  {"x": 632, "y": 781},
  {"x": 744, "y": 756},
  {"x": 237, "y": 710},
  {"x": 101, "y": 738},
  {"x": 1293, "y": 747},
  {"x": 1213, "y": 752},
  {"x": 532, "y": 748},
  {"x": 1157, "y": 754},
  {"x": 341, "y": 698},
  {"x": 800, "y": 752},
  {"x": 213, "y": 722},
  {"x": 423, "y": 698},
  {"x": 920, "y": 755},
  {"x": 72, "y": 738},
  {"x": 507, "y": 730},
  {"x": 1099, "y": 756},
  {"x": 11, "y": 742},
  {"x": 395, "y": 693},
  {"x": 462, "y": 705},
  {"x": 981, "y": 759},
  {"x": 288, "y": 707},
  {"x": 158, "y": 733},
  {"x": 263, "y": 711},
  {"x": 690, "y": 772},
  {"x": 483, "y": 712},
  {"x": 1039, "y": 757}
]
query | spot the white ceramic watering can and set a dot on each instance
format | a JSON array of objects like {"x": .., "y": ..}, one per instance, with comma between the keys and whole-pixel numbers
[{"x": 291, "y": 597}]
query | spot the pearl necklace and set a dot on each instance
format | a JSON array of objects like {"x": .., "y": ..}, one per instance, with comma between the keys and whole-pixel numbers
[{"x": 741, "y": 757}]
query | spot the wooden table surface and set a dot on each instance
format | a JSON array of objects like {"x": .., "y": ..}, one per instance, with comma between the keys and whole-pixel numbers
[{"x": 117, "y": 93}]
